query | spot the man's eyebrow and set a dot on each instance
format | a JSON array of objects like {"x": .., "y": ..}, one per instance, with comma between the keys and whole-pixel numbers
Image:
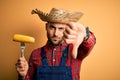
[
  {"x": 52, "y": 26},
  {"x": 61, "y": 27}
]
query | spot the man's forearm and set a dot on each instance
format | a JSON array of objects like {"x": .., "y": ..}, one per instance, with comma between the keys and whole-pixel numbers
[{"x": 86, "y": 46}]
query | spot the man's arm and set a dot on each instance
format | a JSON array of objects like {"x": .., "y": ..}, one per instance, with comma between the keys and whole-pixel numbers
[
  {"x": 25, "y": 72},
  {"x": 22, "y": 68},
  {"x": 86, "y": 46},
  {"x": 31, "y": 71},
  {"x": 75, "y": 33}
]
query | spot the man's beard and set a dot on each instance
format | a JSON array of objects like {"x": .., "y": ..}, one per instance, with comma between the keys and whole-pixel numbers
[{"x": 53, "y": 43}]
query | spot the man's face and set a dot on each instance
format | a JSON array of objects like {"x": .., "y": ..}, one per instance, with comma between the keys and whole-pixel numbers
[{"x": 55, "y": 32}]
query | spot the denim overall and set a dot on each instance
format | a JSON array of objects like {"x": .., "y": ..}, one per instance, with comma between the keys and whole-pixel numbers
[{"x": 61, "y": 72}]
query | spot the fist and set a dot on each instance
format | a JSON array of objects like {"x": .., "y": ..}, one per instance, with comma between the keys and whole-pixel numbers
[
  {"x": 74, "y": 33},
  {"x": 22, "y": 67}
]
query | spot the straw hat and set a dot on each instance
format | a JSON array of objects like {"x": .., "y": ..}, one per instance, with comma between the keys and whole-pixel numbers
[{"x": 58, "y": 15}]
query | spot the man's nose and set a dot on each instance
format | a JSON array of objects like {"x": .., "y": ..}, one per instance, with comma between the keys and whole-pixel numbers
[{"x": 56, "y": 33}]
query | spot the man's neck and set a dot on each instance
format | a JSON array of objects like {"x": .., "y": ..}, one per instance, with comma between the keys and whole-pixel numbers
[{"x": 60, "y": 43}]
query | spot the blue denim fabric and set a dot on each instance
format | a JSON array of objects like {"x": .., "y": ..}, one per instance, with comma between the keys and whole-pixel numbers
[{"x": 61, "y": 72}]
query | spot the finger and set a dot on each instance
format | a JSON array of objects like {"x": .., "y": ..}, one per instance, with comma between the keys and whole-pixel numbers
[
  {"x": 70, "y": 31},
  {"x": 82, "y": 29},
  {"x": 69, "y": 36},
  {"x": 20, "y": 69},
  {"x": 68, "y": 41},
  {"x": 72, "y": 25},
  {"x": 21, "y": 64},
  {"x": 22, "y": 59}
]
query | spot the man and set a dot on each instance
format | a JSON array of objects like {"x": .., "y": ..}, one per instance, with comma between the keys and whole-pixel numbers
[{"x": 68, "y": 44}]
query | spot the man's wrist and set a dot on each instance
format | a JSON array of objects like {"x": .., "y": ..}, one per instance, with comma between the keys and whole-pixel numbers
[{"x": 87, "y": 34}]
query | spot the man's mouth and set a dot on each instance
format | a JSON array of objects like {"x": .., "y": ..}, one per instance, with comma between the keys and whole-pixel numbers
[{"x": 55, "y": 38}]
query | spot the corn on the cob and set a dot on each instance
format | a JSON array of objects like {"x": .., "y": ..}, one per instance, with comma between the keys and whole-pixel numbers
[{"x": 23, "y": 38}]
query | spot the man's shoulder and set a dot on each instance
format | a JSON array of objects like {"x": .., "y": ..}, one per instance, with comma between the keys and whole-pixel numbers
[{"x": 37, "y": 50}]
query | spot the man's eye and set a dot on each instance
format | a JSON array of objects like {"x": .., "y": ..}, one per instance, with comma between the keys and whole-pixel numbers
[
  {"x": 52, "y": 27},
  {"x": 61, "y": 28}
]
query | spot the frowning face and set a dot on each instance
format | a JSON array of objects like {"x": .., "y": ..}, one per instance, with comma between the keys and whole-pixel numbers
[{"x": 55, "y": 32}]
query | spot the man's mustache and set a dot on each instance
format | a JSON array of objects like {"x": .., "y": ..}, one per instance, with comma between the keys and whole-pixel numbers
[{"x": 54, "y": 36}]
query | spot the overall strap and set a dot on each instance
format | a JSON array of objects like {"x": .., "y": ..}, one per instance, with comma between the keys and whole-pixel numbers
[
  {"x": 64, "y": 56},
  {"x": 43, "y": 56}
]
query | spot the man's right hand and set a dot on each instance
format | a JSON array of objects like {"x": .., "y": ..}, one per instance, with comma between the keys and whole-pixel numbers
[{"x": 22, "y": 67}]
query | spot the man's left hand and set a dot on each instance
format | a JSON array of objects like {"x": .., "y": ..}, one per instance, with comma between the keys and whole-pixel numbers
[{"x": 74, "y": 33}]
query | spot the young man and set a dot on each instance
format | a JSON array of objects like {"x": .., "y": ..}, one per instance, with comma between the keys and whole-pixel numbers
[{"x": 68, "y": 44}]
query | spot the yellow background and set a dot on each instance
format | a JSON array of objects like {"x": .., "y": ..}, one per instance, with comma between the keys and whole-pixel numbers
[{"x": 102, "y": 16}]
